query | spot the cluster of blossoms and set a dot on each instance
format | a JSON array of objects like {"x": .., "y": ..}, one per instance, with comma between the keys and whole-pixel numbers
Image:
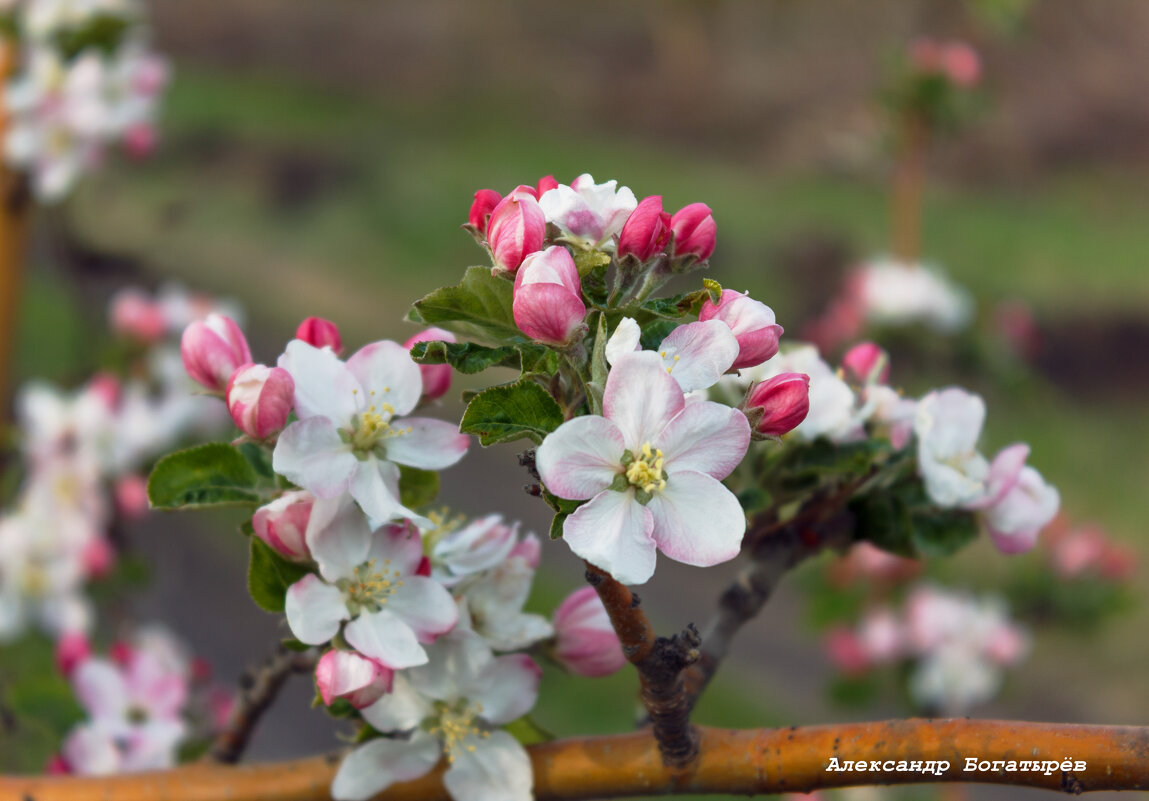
[
  {"x": 144, "y": 702},
  {"x": 81, "y": 76},
  {"x": 82, "y": 453},
  {"x": 958, "y": 646},
  {"x": 419, "y": 618},
  {"x": 1086, "y": 550}
]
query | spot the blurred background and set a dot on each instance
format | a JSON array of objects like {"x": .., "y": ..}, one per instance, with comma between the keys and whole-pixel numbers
[{"x": 319, "y": 156}]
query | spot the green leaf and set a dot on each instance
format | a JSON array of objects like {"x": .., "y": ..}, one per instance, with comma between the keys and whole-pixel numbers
[
  {"x": 216, "y": 474},
  {"x": 903, "y": 522},
  {"x": 511, "y": 412},
  {"x": 527, "y": 731},
  {"x": 557, "y": 523},
  {"x": 478, "y": 307},
  {"x": 259, "y": 458},
  {"x": 417, "y": 487},
  {"x": 269, "y": 575},
  {"x": 938, "y": 532},
  {"x": 469, "y": 358}
]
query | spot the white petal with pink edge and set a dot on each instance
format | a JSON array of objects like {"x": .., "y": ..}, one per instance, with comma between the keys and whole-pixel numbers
[
  {"x": 581, "y": 457},
  {"x": 340, "y": 541},
  {"x": 427, "y": 444},
  {"x": 402, "y": 709},
  {"x": 100, "y": 688},
  {"x": 624, "y": 340},
  {"x": 385, "y": 636},
  {"x": 375, "y": 486},
  {"x": 386, "y": 374},
  {"x": 640, "y": 398},
  {"x": 705, "y": 437},
  {"x": 497, "y": 769},
  {"x": 323, "y": 385},
  {"x": 376, "y": 765},
  {"x": 697, "y": 354},
  {"x": 314, "y": 610},
  {"x": 697, "y": 521},
  {"x": 613, "y": 532},
  {"x": 311, "y": 454},
  {"x": 424, "y": 605},
  {"x": 509, "y": 688}
]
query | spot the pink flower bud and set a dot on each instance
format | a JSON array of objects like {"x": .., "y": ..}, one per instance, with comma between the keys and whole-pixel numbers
[
  {"x": 151, "y": 75},
  {"x": 320, "y": 333},
  {"x": 140, "y": 140},
  {"x": 585, "y": 642},
  {"x": 282, "y": 524},
  {"x": 136, "y": 316},
  {"x": 57, "y": 766},
  {"x": 547, "y": 302},
  {"x": 866, "y": 363},
  {"x": 106, "y": 387},
  {"x": 778, "y": 404},
  {"x": 98, "y": 557},
  {"x": 71, "y": 649},
  {"x": 844, "y": 649},
  {"x": 485, "y": 202},
  {"x": 346, "y": 674},
  {"x": 516, "y": 229},
  {"x": 646, "y": 231},
  {"x": 260, "y": 399},
  {"x": 530, "y": 549},
  {"x": 751, "y": 322},
  {"x": 131, "y": 494},
  {"x": 436, "y": 377},
  {"x": 695, "y": 231},
  {"x": 545, "y": 184},
  {"x": 961, "y": 64},
  {"x": 212, "y": 349}
]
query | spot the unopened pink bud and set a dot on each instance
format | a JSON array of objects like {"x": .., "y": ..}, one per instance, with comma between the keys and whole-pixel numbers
[
  {"x": 260, "y": 398},
  {"x": 545, "y": 184},
  {"x": 866, "y": 363},
  {"x": 131, "y": 494},
  {"x": 212, "y": 349},
  {"x": 71, "y": 649},
  {"x": 98, "y": 557},
  {"x": 547, "y": 303},
  {"x": 752, "y": 323},
  {"x": 436, "y": 377},
  {"x": 961, "y": 64},
  {"x": 516, "y": 229},
  {"x": 140, "y": 140},
  {"x": 646, "y": 231},
  {"x": 485, "y": 202},
  {"x": 695, "y": 231},
  {"x": 107, "y": 388},
  {"x": 778, "y": 404},
  {"x": 320, "y": 333},
  {"x": 282, "y": 524},
  {"x": 845, "y": 650},
  {"x": 346, "y": 674},
  {"x": 529, "y": 549},
  {"x": 57, "y": 766},
  {"x": 133, "y": 314},
  {"x": 585, "y": 642}
]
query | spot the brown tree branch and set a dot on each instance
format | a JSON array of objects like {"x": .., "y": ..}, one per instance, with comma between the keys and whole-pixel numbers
[
  {"x": 734, "y": 762},
  {"x": 258, "y": 689},
  {"x": 661, "y": 663}
]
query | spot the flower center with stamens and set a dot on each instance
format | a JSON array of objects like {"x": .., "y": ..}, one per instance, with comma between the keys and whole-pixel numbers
[
  {"x": 368, "y": 588},
  {"x": 455, "y": 724},
  {"x": 371, "y": 427},
  {"x": 645, "y": 472}
]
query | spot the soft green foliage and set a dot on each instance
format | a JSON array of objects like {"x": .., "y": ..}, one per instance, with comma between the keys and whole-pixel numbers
[
  {"x": 216, "y": 474},
  {"x": 902, "y": 521},
  {"x": 269, "y": 575},
  {"x": 515, "y": 411},
  {"x": 469, "y": 358},
  {"x": 478, "y": 307},
  {"x": 37, "y": 704},
  {"x": 417, "y": 487}
]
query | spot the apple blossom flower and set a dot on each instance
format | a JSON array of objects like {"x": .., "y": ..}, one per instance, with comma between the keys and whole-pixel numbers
[
  {"x": 491, "y": 604},
  {"x": 349, "y": 436},
  {"x": 72, "y": 649},
  {"x": 893, "y": 293},
  {"x": 866, "y": 363},
  {"x": 259, "y": 399},
  {"x": 480, "y": 545},
  {"x": 371, "y": 580},
  {"x": 696, "y": 355},
  {"x": 320, "y": 333},
  {"x": 212, "y": 350},
  {"x": 588, "y": 214},
  {"x": 529, "y": 549},
  {"x": 751, "y": 322},
  {"x": 132, "y": 313},
  {"x": 585, "y": 641},
  {"x": 346, "y": 674},
  {"x": 834, "y": 411},
  {"x": 948, "y": 424},
  {"x": 652, "y": 467},
  {"x": 695, "y": 232},
  {"x": 777, "y": 405},
  {"x": 283, "y": 524},
  {"x": 516, "y": 229},
  {"x": 892, "y": 415},
  {"x": 547, "y": 303},
  {"x": 436, "y": 377},
  {"x": 646, "y": 232},
  {"x": 452, "y": 706},
  {"x": 1022, "y": 512}
]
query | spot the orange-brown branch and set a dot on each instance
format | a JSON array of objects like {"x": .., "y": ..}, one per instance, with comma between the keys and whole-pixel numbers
[
  {"x": 908, "y": 188},
  {"x": 734, "y": 762}
]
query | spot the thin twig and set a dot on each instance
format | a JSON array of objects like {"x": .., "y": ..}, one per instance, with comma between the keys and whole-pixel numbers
[{"x": 258, "y": 689}]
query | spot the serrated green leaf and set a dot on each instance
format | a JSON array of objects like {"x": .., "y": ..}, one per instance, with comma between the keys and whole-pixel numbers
[
  {"x": 269, "y": 575},
  {"x": 478, "y": 307},
  {"x": 511, "y": 412},
  {"x": 469, "y": 358},
  {"x": 216, "y": 474},
  {"x": 417, "y": 487},
  {"x": 259, "y": 458}
]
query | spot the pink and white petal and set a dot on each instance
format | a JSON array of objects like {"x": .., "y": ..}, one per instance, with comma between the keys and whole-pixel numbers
[
  {"x": 375, "y": 486},
  {"x": 509, "y": 688},
  {"x": 314, "y": 610},
  {"x": 386, "y": 637},
  {"x": 377, "y": 764},
  {"x": 426, "y": 606},
  {"x": 101, "y": 689},
  {"x": 91, "y": 751},
  {"x": 458, "y": 661},
  {"x": 640, "y": 397},
  {"x": 705, "y": 437},
  {"x": 311, "y": 454},
  {"x": 402, "y": 709},
  {"x": 613, "y": 532},
  {"x": 427, "y": 444},
  {"x": 1004, "y": 473},
  {"x": 581, "y": 457},
  {"x": 387, "y": 375},
  {"x": 324, "y": 386},
  {"x": 341, "y": 541},
  {"x": 698, "y": 354},
  {"x": 498, "y": 769},
  {"x": 624, "y": 340},
  {"x": 399, "y": 545},
  {"x": 697, "y": 521}
]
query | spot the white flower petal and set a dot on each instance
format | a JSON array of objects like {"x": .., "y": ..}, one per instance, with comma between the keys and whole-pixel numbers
[
  {"x": 424, "y": 605},
  {"x": 427, "y": 444},
  {"x": 340, "y": 540},
  {"x": 402, "y": 709},
  {"x": 497, "y": 770},
  {"x": 697, "y": 521},
  {"x": 624, "y": 340},
  {"x": 323, "y": 384},
  {"x": 386, "y": 373},
  {"x": 458, "y": 662},
  {"x": 311, "y": 454},
  {"x": 375, "y": 486},
  {"x": 705, "y": 437},
  {"x": 101, "y": 689},
  {"x": 613, "y": 533},
  {"x": 697, "y": 354},
  {"x": 640, "y": 398},
  {"x": 509, "y": 689},
  {"x": 385, "y": 637},
  {"x": 377, "y": 764},
  {"x": 314, "y": 610},
  {"x": 581, "y": 457}
]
